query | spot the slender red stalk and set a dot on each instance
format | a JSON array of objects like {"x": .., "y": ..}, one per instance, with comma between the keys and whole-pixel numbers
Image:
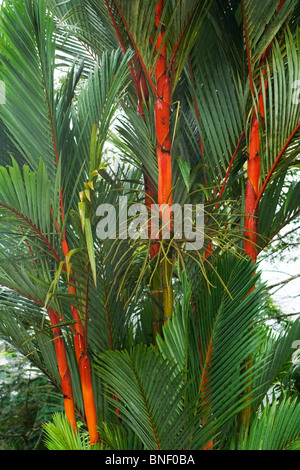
[
  {"x": 163, "y": 140},
  {"x": 162, "y": 118},
  {"x": 88, "y": 397},
  {"x": 55, "y": 318},
  {"x": 79, "y": 338},
  {"x": 63, "y": 368},
  {"x": 140, "y": 83},
  {"x": 116, "y": 27},
  {"x": 87, "y": 49},
  {"x": 229, "y": 169},
  {"x": 80, "y": 343},
  {"x": 209, "y": 248},
  {"x": 149, "y": 414},
  {"x": 150, "y": 193},
  {"x": 62, "y": 363},
  {"x": 253, "y": 190},
  {"x": 252, "y": 186}
]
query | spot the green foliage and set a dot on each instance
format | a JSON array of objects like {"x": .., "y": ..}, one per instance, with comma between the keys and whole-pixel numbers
[
  {"x": 275, "y": 428},
  {"x": 217, "y": 356},
  {"x": 60, "y": 436},
  {"x": 28, "y": 399}
]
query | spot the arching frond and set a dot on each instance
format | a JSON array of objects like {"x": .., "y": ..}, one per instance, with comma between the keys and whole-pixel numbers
[{"x": 276, "y": 428}]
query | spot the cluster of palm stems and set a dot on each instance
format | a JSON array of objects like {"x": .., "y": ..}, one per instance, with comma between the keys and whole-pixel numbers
[{"x": 152, "y": 346}]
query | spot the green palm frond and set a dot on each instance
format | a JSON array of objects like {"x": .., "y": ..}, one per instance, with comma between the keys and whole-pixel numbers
[
  {"x": 225, "y": 316},
  {"x": 29, "y": 246},
  {"x": 276, "y": 428},
  {"x": 127, "y": 374},
  {"x": 26, "y": 327},
  {"x": 59, "y": 435},
  {"x": 119, "y": 437},
  {"x": 281, "y": 109},
  {"x": 8, "y": 150},
  {"x": 278, "y": 353},
  {"x": 226, "y": 20},
  {"x": 279, "y": 204},
  {"x": 71, "y": 145},
  {"x": 19, "y": 198},
  {"x": 88, "y": 22},
  {"x": 257, "y": 16},
  {"x": 70, "y": 49},
  {"x": 217, "y": 102},
  {"x": 99, "y": 102},
  {"x": 28, "y": 45},
  {"x": 227, "y": 326},
  {"x": 131, "y": 128},
  {"x": 180, "y": 341}
]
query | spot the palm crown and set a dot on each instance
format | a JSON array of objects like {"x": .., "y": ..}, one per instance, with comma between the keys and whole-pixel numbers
[{"x": 196, "y": 99}]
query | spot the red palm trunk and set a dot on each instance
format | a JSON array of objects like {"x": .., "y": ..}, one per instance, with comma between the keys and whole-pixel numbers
[
  {"x": 139, "y": 75},
  {"x": 150, "y": 193},
  {"x": 162, "y": 116},
  {"x": 252, "y": 194},
  {"x": 253, "y": 184},
  {"x": 79, "y": 338},
  {"x": 251, "y": 217},
  {"x": 151, "y": 198},
  {"x": 88, "y": 397},
  {"x": 62, "y": 362},
  {"x": 162, "y": 127},
  {"x": 64, "y": 371},
  {"x": 252, "y": 190},
  {"x": 83, "y": 365}
]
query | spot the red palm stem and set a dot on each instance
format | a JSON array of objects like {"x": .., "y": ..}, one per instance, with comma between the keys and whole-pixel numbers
[{"x": 63, "y": 367}]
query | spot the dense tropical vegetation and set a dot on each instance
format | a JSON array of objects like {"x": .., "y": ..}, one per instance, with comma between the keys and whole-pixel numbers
[
  {"x": 152, "y": 345},
  {"x": 27, "y": 400}
]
